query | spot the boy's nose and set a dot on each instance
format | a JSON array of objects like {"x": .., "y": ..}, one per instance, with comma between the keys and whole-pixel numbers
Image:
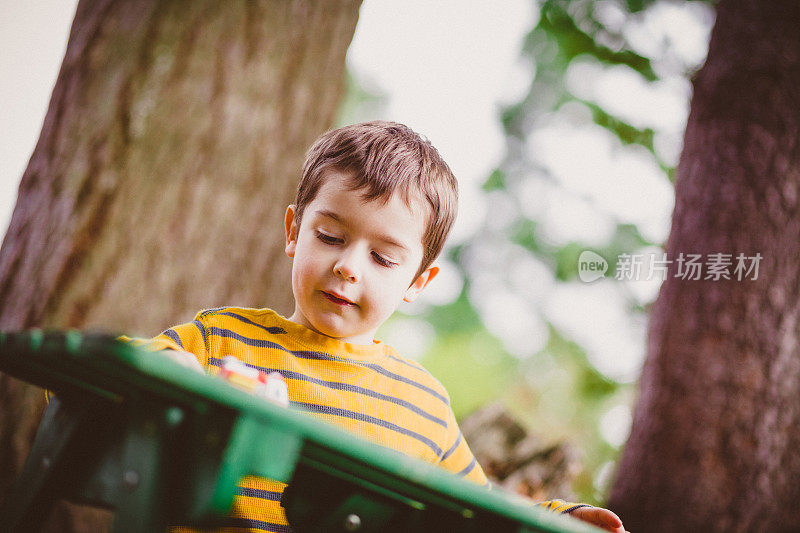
[{"x": 346, "y": 269}]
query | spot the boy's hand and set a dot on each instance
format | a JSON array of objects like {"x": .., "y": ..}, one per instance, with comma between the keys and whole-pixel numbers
[
  {"x": 602, "y": 518},
  {"x": 186, "y": 359}
]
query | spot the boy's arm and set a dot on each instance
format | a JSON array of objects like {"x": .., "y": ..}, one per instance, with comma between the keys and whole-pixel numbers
[
  {"x": 186, "y": 344},
  {"x": 456, "y": 455},
  {"x": 597, "y": 516}
]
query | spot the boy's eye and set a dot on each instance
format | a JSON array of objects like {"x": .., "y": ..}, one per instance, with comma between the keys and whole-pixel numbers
[
  {"x": 328, "y": 239},
  {"x": 382, "y": 260}
]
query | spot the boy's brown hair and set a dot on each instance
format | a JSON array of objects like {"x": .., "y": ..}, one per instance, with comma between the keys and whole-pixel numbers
[{"x": 382, "y": 158}]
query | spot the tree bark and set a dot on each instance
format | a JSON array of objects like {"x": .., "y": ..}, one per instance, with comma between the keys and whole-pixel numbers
[
  {"x": 714, "y": 444},
  {"x": 172, "y": 145}
]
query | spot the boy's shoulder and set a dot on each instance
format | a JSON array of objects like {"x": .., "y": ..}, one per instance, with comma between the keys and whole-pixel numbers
[
  {"x": 232, "y": 315},
  {"x": 420, "y": 374}
]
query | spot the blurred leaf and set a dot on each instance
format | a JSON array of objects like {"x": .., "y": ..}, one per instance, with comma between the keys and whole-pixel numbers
[
  {"x": 524, "y": 234},
  {"x": 512, "y": 118},
  {"x": 567, "y": 260},
  {"x": 572, "y": 41},
  {"x": 591, "y": 385},
  {"x": 626, "y": 240},
  {"x": 624, "y": 132},
  {"x": 634, "y": 6},
  {"x": 455, "y": 317},
  {"x": 495, "y": 181},
  {"x": 596, "y": 385},
  {"x": 627, "y": 133}
]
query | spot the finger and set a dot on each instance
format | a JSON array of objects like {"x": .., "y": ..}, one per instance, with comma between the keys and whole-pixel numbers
[
  {"x": 599, "y": 517},
  {"x": 610, "y": 518}
]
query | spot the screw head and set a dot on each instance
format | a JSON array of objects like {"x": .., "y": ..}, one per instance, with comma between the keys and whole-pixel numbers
[
  {"x": 130, "y": 479},
  {"x": 352, "y": 522},
  {"x": 173, "y": 416}
]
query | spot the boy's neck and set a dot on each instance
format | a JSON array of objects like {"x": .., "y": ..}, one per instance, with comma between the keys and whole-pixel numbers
[{"x": 366, "y": 339}]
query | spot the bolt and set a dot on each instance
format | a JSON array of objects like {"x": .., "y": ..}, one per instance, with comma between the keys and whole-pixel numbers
[
  {"x": 173, "y": 416},
  {"x": 352, "y": 522},
  {"x": 46, "y": 462},
  {"x": 130, "y": 479}
]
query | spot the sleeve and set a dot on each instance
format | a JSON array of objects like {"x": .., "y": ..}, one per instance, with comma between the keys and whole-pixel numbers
[
  {"x": 456, "y": 455},
  {"x": 191, "y": 337},
  {"x": 560, "y": 506}
]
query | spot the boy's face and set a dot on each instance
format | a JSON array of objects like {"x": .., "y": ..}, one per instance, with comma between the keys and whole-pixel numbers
[{"x": 354, "y": 261}]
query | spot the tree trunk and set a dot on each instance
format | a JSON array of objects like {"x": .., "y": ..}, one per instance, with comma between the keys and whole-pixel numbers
[
  {"x": 172, "y": 145},
  {"x": 714, "y": 444}
]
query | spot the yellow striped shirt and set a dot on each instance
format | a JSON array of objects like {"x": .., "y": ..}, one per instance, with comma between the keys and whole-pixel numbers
[{"x": 370, "y": 390}]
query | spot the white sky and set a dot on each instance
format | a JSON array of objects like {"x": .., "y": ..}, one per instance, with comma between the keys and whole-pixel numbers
[
  {"x": 33, "y": 37},
  {"x": 446, "y": 67}
]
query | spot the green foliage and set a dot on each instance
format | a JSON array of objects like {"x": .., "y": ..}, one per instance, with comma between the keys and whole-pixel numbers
[
  {"x": 564, "y": 259},
  {"x": 560, "y": 396},
  {"x": 456, "y": 317},
  {"x": 473, "y": 366},
  {"x": 561, "y": 28},
  {"x": 627, "y": 133},
  {"x": 566, "y": 31},
  {"x": 524, "y": 234},
  {"x": 567, "y": 260},
  {"x": 557, "y": 392},
  {"x": 624, "y": 132},
  {"x": 495, "y": 181},
  {"x": 626, "y": 238},
  {"x": 589, "y": 383}
]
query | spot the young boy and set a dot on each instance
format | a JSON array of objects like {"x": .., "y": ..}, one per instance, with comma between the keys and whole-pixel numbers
[{"x": 373, "y": 209}]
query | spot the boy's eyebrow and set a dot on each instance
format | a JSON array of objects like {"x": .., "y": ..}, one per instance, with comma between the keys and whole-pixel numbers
[
  {"x": 385, "y": 238},
  {"x": 330, "y": 214}
]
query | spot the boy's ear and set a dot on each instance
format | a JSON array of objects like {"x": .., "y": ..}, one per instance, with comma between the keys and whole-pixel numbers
[
  {"x": 290, "y": 221},
  {"x": 418, "y": 284}
]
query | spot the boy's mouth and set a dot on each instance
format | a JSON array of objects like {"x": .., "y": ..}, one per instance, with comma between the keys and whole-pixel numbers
[{"x": 338, "y": 300}]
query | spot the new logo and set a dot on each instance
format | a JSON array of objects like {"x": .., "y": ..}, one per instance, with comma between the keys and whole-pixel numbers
[{"x": 591, "y": 266}]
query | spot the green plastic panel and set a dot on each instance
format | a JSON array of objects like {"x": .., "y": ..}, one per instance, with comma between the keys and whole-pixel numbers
[{"x": 167, "y": 445}]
